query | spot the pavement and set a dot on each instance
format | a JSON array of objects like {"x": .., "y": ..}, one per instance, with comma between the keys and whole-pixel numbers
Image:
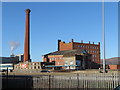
[{"x": 62, "y": 73}]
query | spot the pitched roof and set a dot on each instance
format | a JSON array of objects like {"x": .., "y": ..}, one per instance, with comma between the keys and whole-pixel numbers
[{"x": 68, "y": 52}]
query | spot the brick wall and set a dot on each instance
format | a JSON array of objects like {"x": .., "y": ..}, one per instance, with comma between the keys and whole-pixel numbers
[
  {"x": 57, "y": 58},
  {"x": 114, "y": 66},
  {"x": 65, "y": 46}
]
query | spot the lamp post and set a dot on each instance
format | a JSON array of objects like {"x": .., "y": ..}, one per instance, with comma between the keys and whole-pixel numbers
[
  {"x": 103, "y": 34},
  {"x": 83, "y": 61}
]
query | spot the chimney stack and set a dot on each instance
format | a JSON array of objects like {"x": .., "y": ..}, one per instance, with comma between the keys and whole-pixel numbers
[
  {"x": 89, "y": 42},
  {"x": 98, "y": 43},
  {"x": 72, "y": 40},
  {"x": 93, "y": 42},
  {"x": 27, "y": 37},
  {"x": 81, "y": 41},
  {"x": 59, "y": 45}
]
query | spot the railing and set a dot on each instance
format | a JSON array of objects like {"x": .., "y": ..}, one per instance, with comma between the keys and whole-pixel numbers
[{"x": 76, "y": 81}]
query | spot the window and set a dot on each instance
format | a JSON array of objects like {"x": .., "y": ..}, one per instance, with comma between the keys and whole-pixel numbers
[
  {"x": 86, "y": 46},
  {"x": 61, "y": 63},
  {"x": 95, "y": 55},
  {"x": 81, "y": 46},
  {"x": 88, "y": 51},
  {"x": 66, "y": 62},
  {"x": 71, "y": 62},
  {"x": 60, "y": 58}
]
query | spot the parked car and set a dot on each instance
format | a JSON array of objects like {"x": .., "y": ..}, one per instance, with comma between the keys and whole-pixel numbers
[
  {"x": 117, "y": 88},
  {"x": 45, "y": 71}
]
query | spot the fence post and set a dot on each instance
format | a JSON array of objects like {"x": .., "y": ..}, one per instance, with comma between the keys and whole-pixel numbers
[
  {"x": 25, "y": 82},
  {"x": 49, "y": 82},
  {"x": 115, "y": 80},
  {"x": 78, "y": 81},
  {"x": 7, "y": 77}
]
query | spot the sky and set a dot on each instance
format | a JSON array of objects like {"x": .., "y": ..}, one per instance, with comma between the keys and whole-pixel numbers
[{"x": 50, "y": 21}]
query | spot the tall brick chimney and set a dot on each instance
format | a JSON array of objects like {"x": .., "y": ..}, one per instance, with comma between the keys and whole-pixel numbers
[{"x": 27, "y": 37}]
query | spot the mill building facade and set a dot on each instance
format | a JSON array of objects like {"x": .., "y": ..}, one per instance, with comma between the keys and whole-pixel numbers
[{"x": 74, "y": 55}]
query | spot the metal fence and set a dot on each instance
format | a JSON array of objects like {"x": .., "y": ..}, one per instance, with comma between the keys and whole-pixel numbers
[{"x": 67, "y": 81}]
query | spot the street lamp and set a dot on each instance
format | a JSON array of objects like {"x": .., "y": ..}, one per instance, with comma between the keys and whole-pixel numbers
[
  {"x": 103, "y": 35},
  {"x": 84, "y": 54}
]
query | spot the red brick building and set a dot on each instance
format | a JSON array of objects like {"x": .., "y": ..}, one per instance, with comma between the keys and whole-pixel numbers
[
  {"x": 69, "y": 55},
  {"x": 70, "y": 59},
  {"x": 91, "y": 48},
  {"x": 113, "y": 63}
]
